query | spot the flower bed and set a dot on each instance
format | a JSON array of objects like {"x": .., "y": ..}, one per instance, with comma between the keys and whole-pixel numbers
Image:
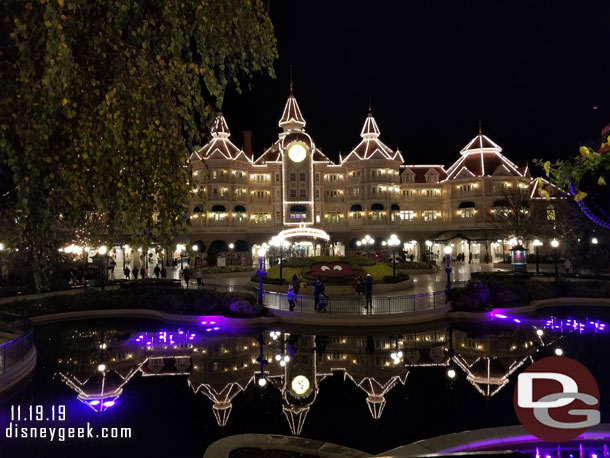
[{"x": 334, "y": 270}]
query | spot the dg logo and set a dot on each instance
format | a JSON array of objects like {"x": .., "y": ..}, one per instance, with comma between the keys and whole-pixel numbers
[{"x": 557, "y": 399}]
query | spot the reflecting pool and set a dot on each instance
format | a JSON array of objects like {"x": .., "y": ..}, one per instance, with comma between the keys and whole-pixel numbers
[{"x": 177, "y": 390}]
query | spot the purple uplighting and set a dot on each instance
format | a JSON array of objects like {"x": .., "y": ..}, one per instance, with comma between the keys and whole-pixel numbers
[
  {"x": 108, "y": 403},
  {"x": 94, "y": 402}
]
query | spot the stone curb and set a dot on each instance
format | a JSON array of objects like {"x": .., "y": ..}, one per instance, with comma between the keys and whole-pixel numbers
[
  {"x": 223, "y": 447},
  {"x": 17, "y": 373}
]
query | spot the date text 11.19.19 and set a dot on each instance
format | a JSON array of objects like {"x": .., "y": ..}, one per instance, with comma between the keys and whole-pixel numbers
[{"x": 38, "y": 413}]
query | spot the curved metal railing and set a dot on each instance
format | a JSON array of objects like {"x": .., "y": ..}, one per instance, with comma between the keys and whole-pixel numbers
[
  {"x": 19, "y": 332},
  {"x": 345, "y": 304}
]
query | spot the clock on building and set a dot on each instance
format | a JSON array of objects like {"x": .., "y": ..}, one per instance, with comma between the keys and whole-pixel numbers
[
  {"x": 297, "y": 152},
  {"x": 300, "y": 385}
]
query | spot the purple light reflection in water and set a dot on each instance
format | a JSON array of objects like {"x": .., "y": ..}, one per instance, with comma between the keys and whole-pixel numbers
[{"x": 514, "y": 441}]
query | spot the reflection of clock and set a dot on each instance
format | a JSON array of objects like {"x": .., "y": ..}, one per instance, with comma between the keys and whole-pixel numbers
[
  {"x": 297, "y": 152},
  {"x": 300, "y": 384}
]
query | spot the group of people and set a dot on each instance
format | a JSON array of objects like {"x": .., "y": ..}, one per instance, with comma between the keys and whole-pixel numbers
[
  {"x": 362, "y": 285},
  {"x": 187, "y": 274},
  {"x": 159, "y": 272}
]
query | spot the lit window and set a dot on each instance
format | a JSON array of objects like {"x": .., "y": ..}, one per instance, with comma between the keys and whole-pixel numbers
[
  {"x": 407, "y": 215},
  {"x": 550, "y": 213}
]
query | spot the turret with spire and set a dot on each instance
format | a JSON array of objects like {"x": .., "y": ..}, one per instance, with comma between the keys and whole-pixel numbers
[{"x": 292, "y": 119}]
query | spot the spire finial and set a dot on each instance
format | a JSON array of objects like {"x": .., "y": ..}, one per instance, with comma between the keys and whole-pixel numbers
[
  {"x": 370, "y": 110},
  {"x": 480, "y": 128},
  {"x": 291, "y": 85}
]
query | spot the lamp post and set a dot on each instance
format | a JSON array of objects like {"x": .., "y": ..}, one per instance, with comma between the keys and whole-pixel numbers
[
  {"x": 447, "y": 250},
  {"x": 555, "y": 244},
  {"x": 429, "y": 252},
  {"x": 231, "y": 247},
  {"x": 102, "y": 252},
  {"x": 1, "y": 250},
  {"x": 367, "y": 241},
  {"x": 537, "y": 245},
  {"x": 261, "y": 273},
  {"x": 263, "y": 362},
  {"x": 195, "y": 249},
  {"x": 393, "y": 242},
  {"x": 179, "y": 249}
]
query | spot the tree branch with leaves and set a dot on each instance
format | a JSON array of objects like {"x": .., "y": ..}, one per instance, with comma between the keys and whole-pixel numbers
[{"x": 103, "y": 102}]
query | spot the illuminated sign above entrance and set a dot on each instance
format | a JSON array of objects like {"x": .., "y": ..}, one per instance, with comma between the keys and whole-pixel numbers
[{"x": 303, "y": 231}]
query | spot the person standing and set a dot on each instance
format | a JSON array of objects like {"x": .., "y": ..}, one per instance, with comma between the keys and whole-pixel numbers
[
  {"x": 199, "y": 276},
  {"x": 186, "y": 273},
  {"x": 296, "y": 284},
  {"x": 291, "y": 298},
  {"x": 142, "y": 273},
  {"x": 163, "y": 273},
  {"x": 470, "y": 258},
  {"x": 318, "y": 290},
  {"x": 135, "y": 273},
  {"x": 567, "y": 265},
  {"x": 157, "y": 271},
  {"x": 126, "y": 271},
  {"x": 368, "y": 288}
]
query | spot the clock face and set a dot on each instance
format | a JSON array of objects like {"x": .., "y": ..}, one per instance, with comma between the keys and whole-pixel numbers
[
  {"x": 297, "y": 152},
  {"x": 300, "y": 384}
]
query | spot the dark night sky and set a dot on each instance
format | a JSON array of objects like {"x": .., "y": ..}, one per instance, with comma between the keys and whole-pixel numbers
[{"x": 531, "y": 71}]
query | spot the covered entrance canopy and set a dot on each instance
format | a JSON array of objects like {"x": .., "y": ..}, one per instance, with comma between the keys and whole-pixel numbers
[
  {"x": 471, "y": 236},
  {"x": 304, "y": 232}
]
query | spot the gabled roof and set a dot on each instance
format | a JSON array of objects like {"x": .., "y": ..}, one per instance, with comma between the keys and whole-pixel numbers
[
  {"x": 370, "y": 147},
  {"x": 220, "y": 147},
  {"x": 292, "y": 117},
  {"x": 271, "y": 154},
  {"x": 482, "y": 157},
  {"x": 420, "y": 172}
]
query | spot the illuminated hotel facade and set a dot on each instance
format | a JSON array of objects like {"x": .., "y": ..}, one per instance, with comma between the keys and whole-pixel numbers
[{"x": 240, "y": 201}]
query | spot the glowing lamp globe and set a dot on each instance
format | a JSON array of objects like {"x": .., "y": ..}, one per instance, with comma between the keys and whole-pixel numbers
[
  {"x": 447, "y": 250},
  {"x": 102, "y": 250},
  {"x": 300, "y": 385},
  {"x": 262, "y": 381}
]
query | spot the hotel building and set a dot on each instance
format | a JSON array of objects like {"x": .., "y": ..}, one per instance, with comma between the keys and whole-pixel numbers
[{"x": 240, "y": 201}]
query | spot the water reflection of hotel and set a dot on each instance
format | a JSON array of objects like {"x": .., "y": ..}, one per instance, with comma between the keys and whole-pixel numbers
[{"x": 221, "y": 367}]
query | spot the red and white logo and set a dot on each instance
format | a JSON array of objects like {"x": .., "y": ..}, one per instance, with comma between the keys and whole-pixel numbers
[{"x": 557, "y": 399}]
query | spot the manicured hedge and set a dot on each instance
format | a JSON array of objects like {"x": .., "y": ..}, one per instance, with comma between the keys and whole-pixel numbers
[
  {"x": 480, "y": 295},
  {"x": 411, "y": 265},
  {"x": 170, "y": 300}
]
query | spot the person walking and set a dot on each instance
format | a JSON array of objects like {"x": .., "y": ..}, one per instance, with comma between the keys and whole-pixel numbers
[
  {"x": 126, "y": 271},
  {"x": 368, "y": 287},
  {"x": 291, "y": 298},
  {"x": 470, "y": 258},
  {"x": 296, "y": 284},
  {"x": 186, "y": 273},
  {"x": 142, "y": 273},
  {"x": 157, "y": 271},
  {"x": 199, "y": 276},
  {"x": 135, "y": 273},
  {"x": 318, "y": 290},
  {"x": 163, "y": 273},
  {"x": 567, "y": 265}
]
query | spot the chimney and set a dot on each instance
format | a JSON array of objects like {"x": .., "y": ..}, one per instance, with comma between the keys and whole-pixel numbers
[{"x": 247, "y": 142}]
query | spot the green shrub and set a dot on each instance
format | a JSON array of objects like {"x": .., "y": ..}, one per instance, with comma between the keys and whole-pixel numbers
[
  {"x": 400, "y": 276},
  {"x": 170, "y": 300},
  {"x": 411, "y": 265},
  {"x": 483, "y": 294}
]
